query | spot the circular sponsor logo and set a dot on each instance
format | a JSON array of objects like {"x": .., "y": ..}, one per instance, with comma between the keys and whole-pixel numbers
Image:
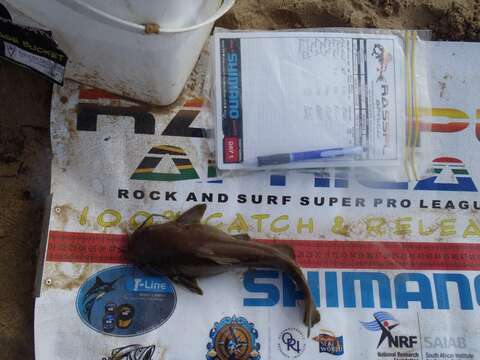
[
  {"x": 291, "y": 343},
  {"x": 233, "y": 338},
  {"x": 125, "y": 301}
]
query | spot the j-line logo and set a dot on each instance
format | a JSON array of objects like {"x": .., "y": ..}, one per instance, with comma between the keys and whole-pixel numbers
[{"x": 385, "y": 323}]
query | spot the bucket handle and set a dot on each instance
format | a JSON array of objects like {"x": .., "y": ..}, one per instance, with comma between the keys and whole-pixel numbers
[{"x": 109, "y": 19}]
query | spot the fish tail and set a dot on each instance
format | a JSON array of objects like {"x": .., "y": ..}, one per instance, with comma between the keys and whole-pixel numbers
[{"x": 311, "y": 315}]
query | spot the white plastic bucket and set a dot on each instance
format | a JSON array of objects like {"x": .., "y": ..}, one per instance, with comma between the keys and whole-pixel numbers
[
  {"x": 183, "y": 14},
  {"x": 109, "y": 48}
]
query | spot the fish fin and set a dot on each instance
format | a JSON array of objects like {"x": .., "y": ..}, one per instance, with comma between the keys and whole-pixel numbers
[
  {"x": 190, "y": 283},
  {"x": 198, "y": 271},
  {"x": 223, "y": 260},
  {"x": 285, "y": 250},
  {"x": 217, "y": 259},
  {"x": 193, "y": 215},
  {"x": 244, "y": 237}
]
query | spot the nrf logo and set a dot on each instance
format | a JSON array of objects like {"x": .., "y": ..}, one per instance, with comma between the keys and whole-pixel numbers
[{"x": 385, "y": 322}]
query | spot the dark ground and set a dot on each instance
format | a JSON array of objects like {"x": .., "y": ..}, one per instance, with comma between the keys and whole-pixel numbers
[
  {"x": 24, "y": 185},
  {"x": 25, "y": 141}
]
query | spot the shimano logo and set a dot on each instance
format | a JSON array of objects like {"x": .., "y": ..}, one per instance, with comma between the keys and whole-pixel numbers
[
  {"x": 233, "y": 86},
  {"x": 350, "y": 289}
]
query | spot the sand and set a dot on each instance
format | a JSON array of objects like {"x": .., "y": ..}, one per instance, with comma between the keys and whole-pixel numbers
[
  {"x": 452, "y": 20},
  {"x": 24, "y": 135}
]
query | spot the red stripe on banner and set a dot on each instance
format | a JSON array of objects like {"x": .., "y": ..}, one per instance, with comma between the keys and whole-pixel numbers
[
  {"x": 386, "y": 255},
  {"x": 444, "y": 128},
  {"x": 86, "y": 247},
  {"x": 195, "y": 103},
  {"x": 95, "y": 94},
  {"x": 447, "y": 159},
  {"x": 109, "y": 248}
]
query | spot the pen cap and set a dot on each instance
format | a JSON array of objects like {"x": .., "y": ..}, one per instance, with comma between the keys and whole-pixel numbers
[{"x": 276, "y": 159}]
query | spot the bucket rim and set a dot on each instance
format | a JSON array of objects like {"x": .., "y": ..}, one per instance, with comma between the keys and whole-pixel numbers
[{"x": 106, "y": 18}]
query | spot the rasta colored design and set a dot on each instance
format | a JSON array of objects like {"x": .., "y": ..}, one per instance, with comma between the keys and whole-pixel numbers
[{"x": 145, "y": 171}]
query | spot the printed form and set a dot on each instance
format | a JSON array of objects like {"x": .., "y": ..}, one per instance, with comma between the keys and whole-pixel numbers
[{"x": 284, "y": 92}]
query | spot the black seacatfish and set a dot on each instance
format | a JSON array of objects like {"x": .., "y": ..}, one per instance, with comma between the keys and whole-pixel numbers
[{"x": 185, "y": 249}]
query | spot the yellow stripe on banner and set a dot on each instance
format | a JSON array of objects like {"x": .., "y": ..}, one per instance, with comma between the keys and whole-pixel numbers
[
  {"x": 415, "y": 107},
  {"x": 184, "y": 167},
  {"x": 171, "y": 148},
  {"x": 443, "y": 112},
  {"x": 409, "y": 96},
  {"x": 144, "y": 170}
]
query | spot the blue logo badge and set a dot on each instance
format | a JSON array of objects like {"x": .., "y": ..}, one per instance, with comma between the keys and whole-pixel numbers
[
  {"x": 124, "y": 301},
  {"x": 233, "y": 338}
]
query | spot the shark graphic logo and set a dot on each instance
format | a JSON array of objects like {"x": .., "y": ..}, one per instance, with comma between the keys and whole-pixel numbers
[
  {"x": 383, "y": 322},
  {"x": 133, "y": 352},
  {"x": 96, "y": 292}
]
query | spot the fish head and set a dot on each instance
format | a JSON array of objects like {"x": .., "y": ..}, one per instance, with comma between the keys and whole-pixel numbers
[{"x": 154, "y": 244}]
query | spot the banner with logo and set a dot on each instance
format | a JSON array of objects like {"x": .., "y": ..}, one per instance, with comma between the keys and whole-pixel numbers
[{"x": 393, "y": 265}]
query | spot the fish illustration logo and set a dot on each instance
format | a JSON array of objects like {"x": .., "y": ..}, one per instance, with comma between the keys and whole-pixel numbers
[
  {"x": 383, "y": 322},
  {"x": 133, "y": 352},
  {"x": 233, "y": 338},
  {"x": 96, "y": 292},
  {"x": 384, "y": 58}
]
